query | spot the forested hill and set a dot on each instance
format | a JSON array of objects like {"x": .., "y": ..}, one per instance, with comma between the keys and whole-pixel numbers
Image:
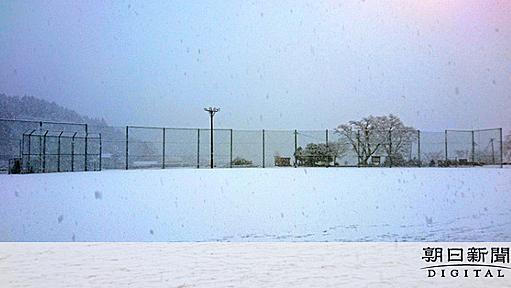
[
  {"x": 28, "y": 107},
  {"x": 31, "y": 108}
]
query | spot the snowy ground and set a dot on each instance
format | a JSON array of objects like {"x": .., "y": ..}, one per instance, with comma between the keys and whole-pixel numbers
[
  {"x": 208, "y": 265},
  {"x": 321, "y": 204}
]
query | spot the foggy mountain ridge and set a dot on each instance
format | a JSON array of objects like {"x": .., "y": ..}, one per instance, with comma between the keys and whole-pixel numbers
[{"x": 32, "y": 108}]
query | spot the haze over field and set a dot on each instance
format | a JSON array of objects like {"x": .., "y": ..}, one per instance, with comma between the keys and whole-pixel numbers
[{"x": 274, "y": 65}]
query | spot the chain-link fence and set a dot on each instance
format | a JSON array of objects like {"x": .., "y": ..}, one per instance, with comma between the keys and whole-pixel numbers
[
  {"x": 140, "y": 147},
  {"x": 11, "y": 136},
  {"x": 477, "y": 147},
  {"x": 58, "y": 151},
  {"x": 157, "y": 147},
  {"x": 113, "y": 140}
]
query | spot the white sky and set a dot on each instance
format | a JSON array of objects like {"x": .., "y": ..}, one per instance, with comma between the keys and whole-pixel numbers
[{"x": 278, "y": 65}]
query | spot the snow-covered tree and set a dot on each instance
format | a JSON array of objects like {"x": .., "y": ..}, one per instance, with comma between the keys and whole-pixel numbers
[
  {"x": 363, "y": 137},
  {"x": 338, "y": 149},
  {"x": 319, "y": 154},
  {"x": 396, "y": 136},
  {"x": 378, "y": 134}
]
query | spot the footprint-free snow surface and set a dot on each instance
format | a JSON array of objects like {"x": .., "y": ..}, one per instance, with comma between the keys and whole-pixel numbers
[{"x": 288, "y": 204}]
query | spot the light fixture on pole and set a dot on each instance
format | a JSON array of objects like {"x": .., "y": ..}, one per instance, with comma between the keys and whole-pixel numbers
[{"x": 211, "y": 111}]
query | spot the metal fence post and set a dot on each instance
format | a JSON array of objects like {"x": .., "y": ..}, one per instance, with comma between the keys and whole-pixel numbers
[
  {"x": 501, "y": 149},
  {"x": 419, "y": 147},
  {"x": 230, "y": 154},
  {"x": 446, "y": 153},
  {"x": 198, "y": 148},
  {"x": 127, "y": 151},
  {"x": 58, "y": 151},
  {"x": 473, "y": 149},
  {"x": 163, "y": 152},
  {"x": 73, "y": 153},
  {"x": 263, "y": 151},
  {"x": 212, "y": 150},
  {"x": 29, "y": 150},
  {"x": 359, "y": 154},
  {"x": 326, "y": 143},
  {"x": 40, "y": 151},
  {"x": 296, "y": 148},
  {"x": 492, "y": 140},
  {"x": 390, "y": 148},
  {"x": 100, "y": 152},
  {"x": 86, "y": 148},
  {"x": 44, "y": 151},
  {"x": 86, "y": 152},
  {"x": 22, "y": 147}
]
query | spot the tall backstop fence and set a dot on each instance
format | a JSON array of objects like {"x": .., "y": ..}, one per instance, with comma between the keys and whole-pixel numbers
[
  {"x": 82, "y": 147},
  {"x": 59, "y": 151},
  {"x": 11, "y": 136}
]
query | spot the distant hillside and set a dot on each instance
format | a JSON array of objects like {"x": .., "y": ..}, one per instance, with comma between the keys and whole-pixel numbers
[
  {"x": 31, "y": 108},
  {"x": 28, "y": 107}
]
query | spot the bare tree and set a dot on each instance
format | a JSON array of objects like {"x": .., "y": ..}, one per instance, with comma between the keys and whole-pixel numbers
[
  {"x": 363, "y": 137},
  {"x": 373, "y": 134},
  {"x": 396, "y": 136},
  {"x": 338, "y": 149}
]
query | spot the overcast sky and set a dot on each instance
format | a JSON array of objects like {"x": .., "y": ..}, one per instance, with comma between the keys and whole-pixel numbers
[{"x": 267, "y": 64}]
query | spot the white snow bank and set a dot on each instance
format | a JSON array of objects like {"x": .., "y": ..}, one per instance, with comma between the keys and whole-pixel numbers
[{"x": 322, "y": 204}]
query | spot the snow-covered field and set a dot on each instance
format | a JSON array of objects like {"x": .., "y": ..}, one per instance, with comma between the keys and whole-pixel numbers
[
  {"x": 316, "y": 204},
  {"x": 209, "y": 265}
]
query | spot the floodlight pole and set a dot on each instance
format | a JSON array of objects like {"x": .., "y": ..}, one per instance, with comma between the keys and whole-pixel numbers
[{"x": 211, "y": 111}]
